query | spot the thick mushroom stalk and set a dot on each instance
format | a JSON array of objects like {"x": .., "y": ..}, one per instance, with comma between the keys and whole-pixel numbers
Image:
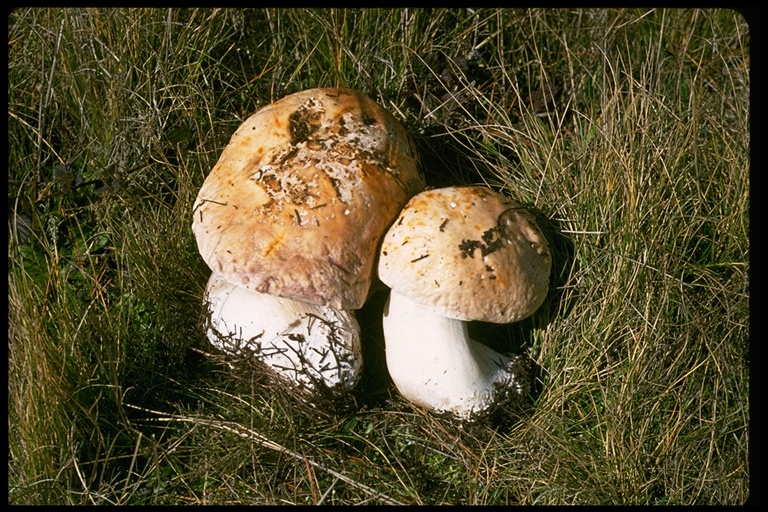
[
  {"x": 434, "y": 363},
  {"x": 307, "y": 345}
]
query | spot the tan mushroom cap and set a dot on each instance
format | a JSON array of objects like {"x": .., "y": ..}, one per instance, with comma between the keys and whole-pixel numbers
[
  {"x": 300, "y": 198},
  {"x": 468, "y": 253}
]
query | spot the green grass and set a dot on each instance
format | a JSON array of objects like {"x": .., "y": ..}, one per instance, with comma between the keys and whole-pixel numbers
[{"x": 625, "y": 131}]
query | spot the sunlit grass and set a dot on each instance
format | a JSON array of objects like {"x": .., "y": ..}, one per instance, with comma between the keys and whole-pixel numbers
[{"x": 625, "y": 131}]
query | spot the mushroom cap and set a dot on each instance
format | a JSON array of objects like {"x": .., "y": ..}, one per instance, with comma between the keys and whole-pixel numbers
[
  {"x": 468, "y": 253},
  {"x": 300, "y": 198}
]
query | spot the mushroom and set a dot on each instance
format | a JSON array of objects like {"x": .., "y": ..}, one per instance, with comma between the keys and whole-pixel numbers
[
  {"x": 454, "y": 255},
  {"x": 294, "y": 210}
]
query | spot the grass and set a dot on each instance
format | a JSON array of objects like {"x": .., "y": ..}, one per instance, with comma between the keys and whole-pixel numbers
[{"x": 625, "y": 131}]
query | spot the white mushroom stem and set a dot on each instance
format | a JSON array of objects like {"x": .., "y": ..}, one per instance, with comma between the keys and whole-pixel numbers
[
  {"x": 306, "y": 344},
  {"x": 434, "y": 363}
]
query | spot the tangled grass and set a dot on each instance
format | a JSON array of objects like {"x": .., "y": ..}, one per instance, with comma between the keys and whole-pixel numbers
[{"x": 627, "y": 133}]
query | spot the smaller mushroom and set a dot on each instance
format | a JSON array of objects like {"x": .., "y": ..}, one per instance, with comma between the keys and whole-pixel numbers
[
  {"x": 454, "y": 255},
  {"x": 310, "y": 345}
]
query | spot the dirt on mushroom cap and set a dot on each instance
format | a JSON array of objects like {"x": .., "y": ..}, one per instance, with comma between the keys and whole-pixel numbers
[
  {"x": 300, "y": 199},
  {"x": 469, "y": 253}
]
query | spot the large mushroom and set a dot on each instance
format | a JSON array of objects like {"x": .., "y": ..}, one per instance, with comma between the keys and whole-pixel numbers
[
  {"x": 290, "y": 219},
  {"x": 454, "y": 255}
]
